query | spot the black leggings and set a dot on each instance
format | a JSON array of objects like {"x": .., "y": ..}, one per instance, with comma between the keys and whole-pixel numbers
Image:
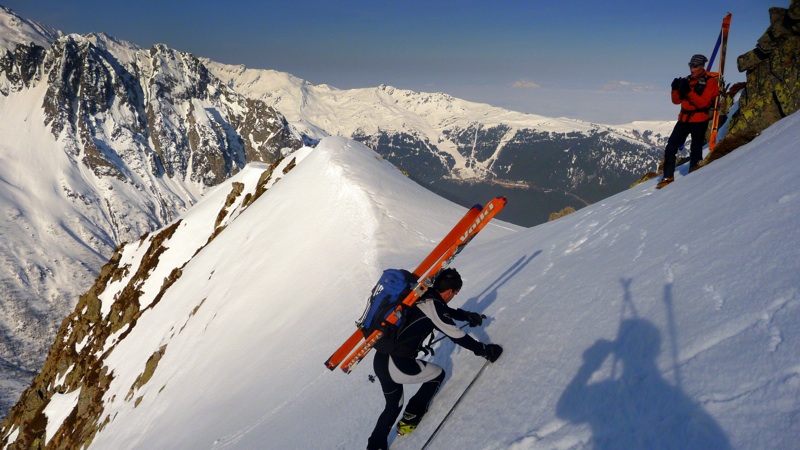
[
  {"x": 678, "y": 137},
  {"x": 393, "y": 372}
]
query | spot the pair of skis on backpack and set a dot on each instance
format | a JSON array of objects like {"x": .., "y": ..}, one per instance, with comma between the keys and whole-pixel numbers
[
  {"x": 464, "y": 231},
  {"x": 721, "y": 46}
]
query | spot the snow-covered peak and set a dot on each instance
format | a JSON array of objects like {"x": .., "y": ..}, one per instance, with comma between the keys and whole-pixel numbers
[
  {"x": 457, "y": 139},
  {"x": 101, "y": 142},
  {"x": 372, "y": 108},
  {"x": 124, "y": 51},
  {"x": 16, "y": 30}
]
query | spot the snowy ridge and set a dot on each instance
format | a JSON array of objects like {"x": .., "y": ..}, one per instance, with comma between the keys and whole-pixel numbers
[
  {"x": 25, "y": 31},
  {"x": 617, "y": 329}
]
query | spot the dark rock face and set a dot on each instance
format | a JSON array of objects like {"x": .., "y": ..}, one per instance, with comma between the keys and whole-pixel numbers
[
  {"x": 21, "y": 67},
  {"x": 772, "y": 91},
  {"x": 163, "y": 109}
]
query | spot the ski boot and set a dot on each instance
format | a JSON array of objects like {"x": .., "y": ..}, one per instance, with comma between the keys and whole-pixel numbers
[
  {"x": 664, "y": 181},
  {"x": 407, "y": 424}
]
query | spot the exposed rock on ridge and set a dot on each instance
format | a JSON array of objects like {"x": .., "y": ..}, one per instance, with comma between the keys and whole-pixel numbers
[
  {"x": 773, "y": 80},
  {"x": 76, "y": 365}
]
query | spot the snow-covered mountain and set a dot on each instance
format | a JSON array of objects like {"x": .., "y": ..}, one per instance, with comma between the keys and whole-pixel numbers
[
  {"x": 457, "y": 147},
  {"x": 101, "y": 142},
  {"x": 18, "y": 30},
  {"x": 653, "y": 319}
]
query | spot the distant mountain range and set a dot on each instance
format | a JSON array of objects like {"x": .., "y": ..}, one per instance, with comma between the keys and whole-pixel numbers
[
  {"x": 102, "y": 141},
  {"x": 463, "y": 150}
]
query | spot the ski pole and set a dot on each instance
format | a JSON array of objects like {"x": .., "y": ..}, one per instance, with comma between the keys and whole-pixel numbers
[
  {"x": 442, "y": 337},
  {"x": 436, "y": 431},
  {"x": 460, "y": 328}
]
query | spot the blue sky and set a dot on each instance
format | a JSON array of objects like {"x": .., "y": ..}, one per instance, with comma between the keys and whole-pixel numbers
[{"x": 609, "y": 61}]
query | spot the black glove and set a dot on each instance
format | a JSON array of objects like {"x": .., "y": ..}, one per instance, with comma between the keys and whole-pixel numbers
[
  {"x": 700, "y": 86},
  {"x": 474, "y": 319},
  {"x": 684, "y": 88},
  {"x": 490, "y": 352},
  {"x": 676, "y": 83}
]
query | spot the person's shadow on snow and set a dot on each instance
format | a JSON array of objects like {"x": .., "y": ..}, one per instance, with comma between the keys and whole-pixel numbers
[{"x": 636, "y": 408}]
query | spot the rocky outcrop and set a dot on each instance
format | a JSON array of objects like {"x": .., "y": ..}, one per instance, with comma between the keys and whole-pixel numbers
[
  {"x": 21, "y": 68},
  {"x": 772, "y": 90},
  {"x": 773, "y": 81},
  {"x": 76, "y": 377},
  {"x": 75, "y": 362}
]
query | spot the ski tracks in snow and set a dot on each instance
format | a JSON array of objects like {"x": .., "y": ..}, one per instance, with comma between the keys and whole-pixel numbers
[
  {"x": 549, "y": 436},
  {"x": 602, "y": 232},
  {"x": 763, "y": 321},
  {"x": 232, "y": 439}
]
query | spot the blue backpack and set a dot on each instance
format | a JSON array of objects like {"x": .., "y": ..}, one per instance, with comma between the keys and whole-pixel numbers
[{"x": 390, "y": 291}]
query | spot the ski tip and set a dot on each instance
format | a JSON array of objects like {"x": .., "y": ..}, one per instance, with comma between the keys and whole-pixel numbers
[{"x": 477, "y": 206}]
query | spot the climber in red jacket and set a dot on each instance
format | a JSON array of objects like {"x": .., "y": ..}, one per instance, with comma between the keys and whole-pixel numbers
[{"x": 696, "y": 94}]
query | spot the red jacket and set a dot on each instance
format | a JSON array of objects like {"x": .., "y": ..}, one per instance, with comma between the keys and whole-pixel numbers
[{"x": 694, "y": 107}]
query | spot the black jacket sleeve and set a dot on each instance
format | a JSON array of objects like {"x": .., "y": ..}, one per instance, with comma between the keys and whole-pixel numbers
[
  {"x": 442, "y": 317},
  {"x": 459, "y": 314},
  {"x": 469, "y": 343}
]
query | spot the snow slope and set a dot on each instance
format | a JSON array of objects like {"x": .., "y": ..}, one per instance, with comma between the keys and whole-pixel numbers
[{"x": 654, "y": 319}]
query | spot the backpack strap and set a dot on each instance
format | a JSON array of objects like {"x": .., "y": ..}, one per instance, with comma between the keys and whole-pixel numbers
[{"x": 428, "y": 348}]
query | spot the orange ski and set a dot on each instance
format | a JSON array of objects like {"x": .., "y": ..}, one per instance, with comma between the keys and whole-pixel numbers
[
  {"x": 462, "y": 239},
  {"x": 726, "y": 25},
  {"x": 457, "y": 231}
]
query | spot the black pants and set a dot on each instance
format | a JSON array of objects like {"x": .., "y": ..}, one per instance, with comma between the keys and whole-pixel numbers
[
  {"x": 393, "y": 372},
  {"x": 678, "y": 137}
]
